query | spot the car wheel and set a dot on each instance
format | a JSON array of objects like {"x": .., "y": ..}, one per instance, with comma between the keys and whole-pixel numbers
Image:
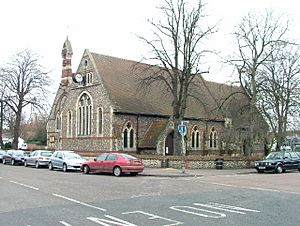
[
  {"x": 12, "y": 162},
  {"x": 86, "y": 169},
  {"x": 65, "y": 168},
  {"x": 50, "y": 166},
  {"x": 37, "y": 165},
  {"x": 117, "y": 171},
  {"x": 279, "y": 169},
  {"x": 3, "y": 161},
  {"x": 25, "y": 163}
]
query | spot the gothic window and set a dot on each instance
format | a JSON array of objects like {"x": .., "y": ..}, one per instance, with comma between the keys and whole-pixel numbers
[
  {"x": 195, "y": 137},
  {"x": 69, "y": 124},
  {"x": 58, "y": 122},
  {"x": 84, "y": 115},
  {"x": 213, "y": 138},
  {"x": 100, "y": 121},
  {"x": 128, "y": 136}
]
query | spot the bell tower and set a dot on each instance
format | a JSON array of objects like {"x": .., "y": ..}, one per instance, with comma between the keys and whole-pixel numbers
[{"x": 66, "y": 53}]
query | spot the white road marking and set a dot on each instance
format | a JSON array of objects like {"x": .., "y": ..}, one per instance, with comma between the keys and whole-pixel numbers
[
  {"x": 1, "y": 177},
  {"x": 78, "y": 202},
  {"x": 228, "y": 208},
  {"x": 114, "y": 221},
  {"x": 154, "y": 217},
  {"x": 197, "y": 211},
  {"x": 251, "y": 188},
  {"x": 65, "y": 223},
  {"x": 24, "y": 185}
]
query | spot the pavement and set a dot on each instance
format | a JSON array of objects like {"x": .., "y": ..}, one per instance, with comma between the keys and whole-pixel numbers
[{"x": 170, "y": 172}]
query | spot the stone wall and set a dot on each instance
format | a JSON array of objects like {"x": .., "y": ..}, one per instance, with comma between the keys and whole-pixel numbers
[{"x": 201, "y": 163}]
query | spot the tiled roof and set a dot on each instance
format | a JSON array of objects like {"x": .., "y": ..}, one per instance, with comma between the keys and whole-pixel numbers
[{"x": 121, "y": 79}]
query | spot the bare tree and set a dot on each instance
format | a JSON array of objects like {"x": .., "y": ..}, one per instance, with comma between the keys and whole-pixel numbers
[
  {"x": 3, "y": 106},
  {"x": 281, "y": 89},
  {"x": 177, "y": 51},
  {"x": 26, "y": 83},
  {"x": 256, "y": 36}
]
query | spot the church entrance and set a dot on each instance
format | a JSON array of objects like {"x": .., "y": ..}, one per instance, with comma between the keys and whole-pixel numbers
[{"x": 169, "y": 147}]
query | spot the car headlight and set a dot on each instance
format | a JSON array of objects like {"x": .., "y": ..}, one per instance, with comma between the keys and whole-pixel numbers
[{"x": 256, "y": 163}]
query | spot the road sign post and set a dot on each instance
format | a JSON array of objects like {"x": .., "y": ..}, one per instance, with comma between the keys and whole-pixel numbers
[{"x": 182, "y": 130}]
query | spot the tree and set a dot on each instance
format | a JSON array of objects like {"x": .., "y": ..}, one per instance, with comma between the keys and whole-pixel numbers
[
  {"x": 256, "y": 36},
  {"x": 26, "y": 83},
  {"x": 177, "y": 51},
  {"x": 281, "y": 89}
]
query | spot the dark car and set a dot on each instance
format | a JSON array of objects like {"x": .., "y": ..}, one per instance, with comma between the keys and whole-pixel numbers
[
  {"x": 38, "y": 158},
  {"x": 279, "y": 162},
  {"x": 14, "y": 157},
  {"x": 116, "y": 163}
]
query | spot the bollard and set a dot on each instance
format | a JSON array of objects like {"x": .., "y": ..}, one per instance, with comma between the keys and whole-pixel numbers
[{"x": 219, "y": 164}]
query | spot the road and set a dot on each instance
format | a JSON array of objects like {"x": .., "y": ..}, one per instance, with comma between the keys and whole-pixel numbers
[{"x": 38, "y": 197}]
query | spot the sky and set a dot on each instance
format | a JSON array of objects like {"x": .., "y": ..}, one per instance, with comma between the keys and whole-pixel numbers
[{"x": 110, "y": 27}]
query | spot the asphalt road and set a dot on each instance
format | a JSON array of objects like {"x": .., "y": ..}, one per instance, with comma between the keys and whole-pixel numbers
[{"x": 38, "y": 197}]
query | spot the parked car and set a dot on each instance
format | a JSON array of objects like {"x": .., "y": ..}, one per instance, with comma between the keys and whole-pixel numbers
[
  {"x": 65, "y": 160},
  {"x": 116, "y": 163},
  {"x": 38, "y": 158},
  {"x": 279, "y": 162},
  {"x": 14, "y": 157}
]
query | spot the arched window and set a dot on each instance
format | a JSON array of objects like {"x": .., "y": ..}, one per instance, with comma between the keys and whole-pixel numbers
[
  {"x": 213, "y": 138},
  {"x": 89, "y": 78},
  {"x": 84, "y": 115},
  {"x": 195, "y": 138},
  {"x": 69, "y": 125},
  {"x": 100, "y": 121},
  {"x": 58, "y": 121},
  {"x": 128, "y": 136}
]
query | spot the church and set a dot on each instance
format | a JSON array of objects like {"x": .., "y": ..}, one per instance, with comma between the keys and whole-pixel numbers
[{"x": 101, "y": 108}]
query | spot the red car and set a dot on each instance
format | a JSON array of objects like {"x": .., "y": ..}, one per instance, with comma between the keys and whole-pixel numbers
[{"x": 116, "y": 163}]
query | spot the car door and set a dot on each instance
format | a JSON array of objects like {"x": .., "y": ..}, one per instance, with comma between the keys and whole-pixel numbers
[
  {"x": 60, "y": 160},
  {"x": 30, "y": 159},
  {"x": 8, "y": 156},
  {"x": 110, "y": 162},
  {"x": 98, "y": 164},
  {"x": 295, "y": 160},
  {"x": 287, "y": 160},
  {"x": 55, "y": 159}
]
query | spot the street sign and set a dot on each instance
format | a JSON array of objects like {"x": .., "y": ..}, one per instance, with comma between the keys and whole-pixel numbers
[{"x": 182, "y": 129}]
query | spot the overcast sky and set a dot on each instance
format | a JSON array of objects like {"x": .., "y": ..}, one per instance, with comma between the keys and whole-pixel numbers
[{"x": 109, "y": 27}]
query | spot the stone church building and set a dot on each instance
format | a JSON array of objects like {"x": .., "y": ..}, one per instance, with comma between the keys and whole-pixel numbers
[{"x": 101, "y": 108}]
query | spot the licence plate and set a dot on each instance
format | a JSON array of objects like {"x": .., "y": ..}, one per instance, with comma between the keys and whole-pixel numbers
[{"x": 261, "y": 167}]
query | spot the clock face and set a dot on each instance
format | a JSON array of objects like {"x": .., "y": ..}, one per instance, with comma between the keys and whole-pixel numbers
[{"x": 78, "y": 78}]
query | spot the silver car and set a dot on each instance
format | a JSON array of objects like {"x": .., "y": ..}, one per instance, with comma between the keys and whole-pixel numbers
[
  {"x": 38, "y": 158},
  {"x": 65, "y": 160}
]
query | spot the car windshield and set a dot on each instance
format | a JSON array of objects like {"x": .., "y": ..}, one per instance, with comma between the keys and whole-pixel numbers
[
  {"x": 46, "y": 154},
  {"x": 2, "y": 152},
  {"x": 275, "y": 155},
  {"x": 19, "y": 153},
  {"x": 126, "y": 156},
  {"x": 72, "y": 155}
]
